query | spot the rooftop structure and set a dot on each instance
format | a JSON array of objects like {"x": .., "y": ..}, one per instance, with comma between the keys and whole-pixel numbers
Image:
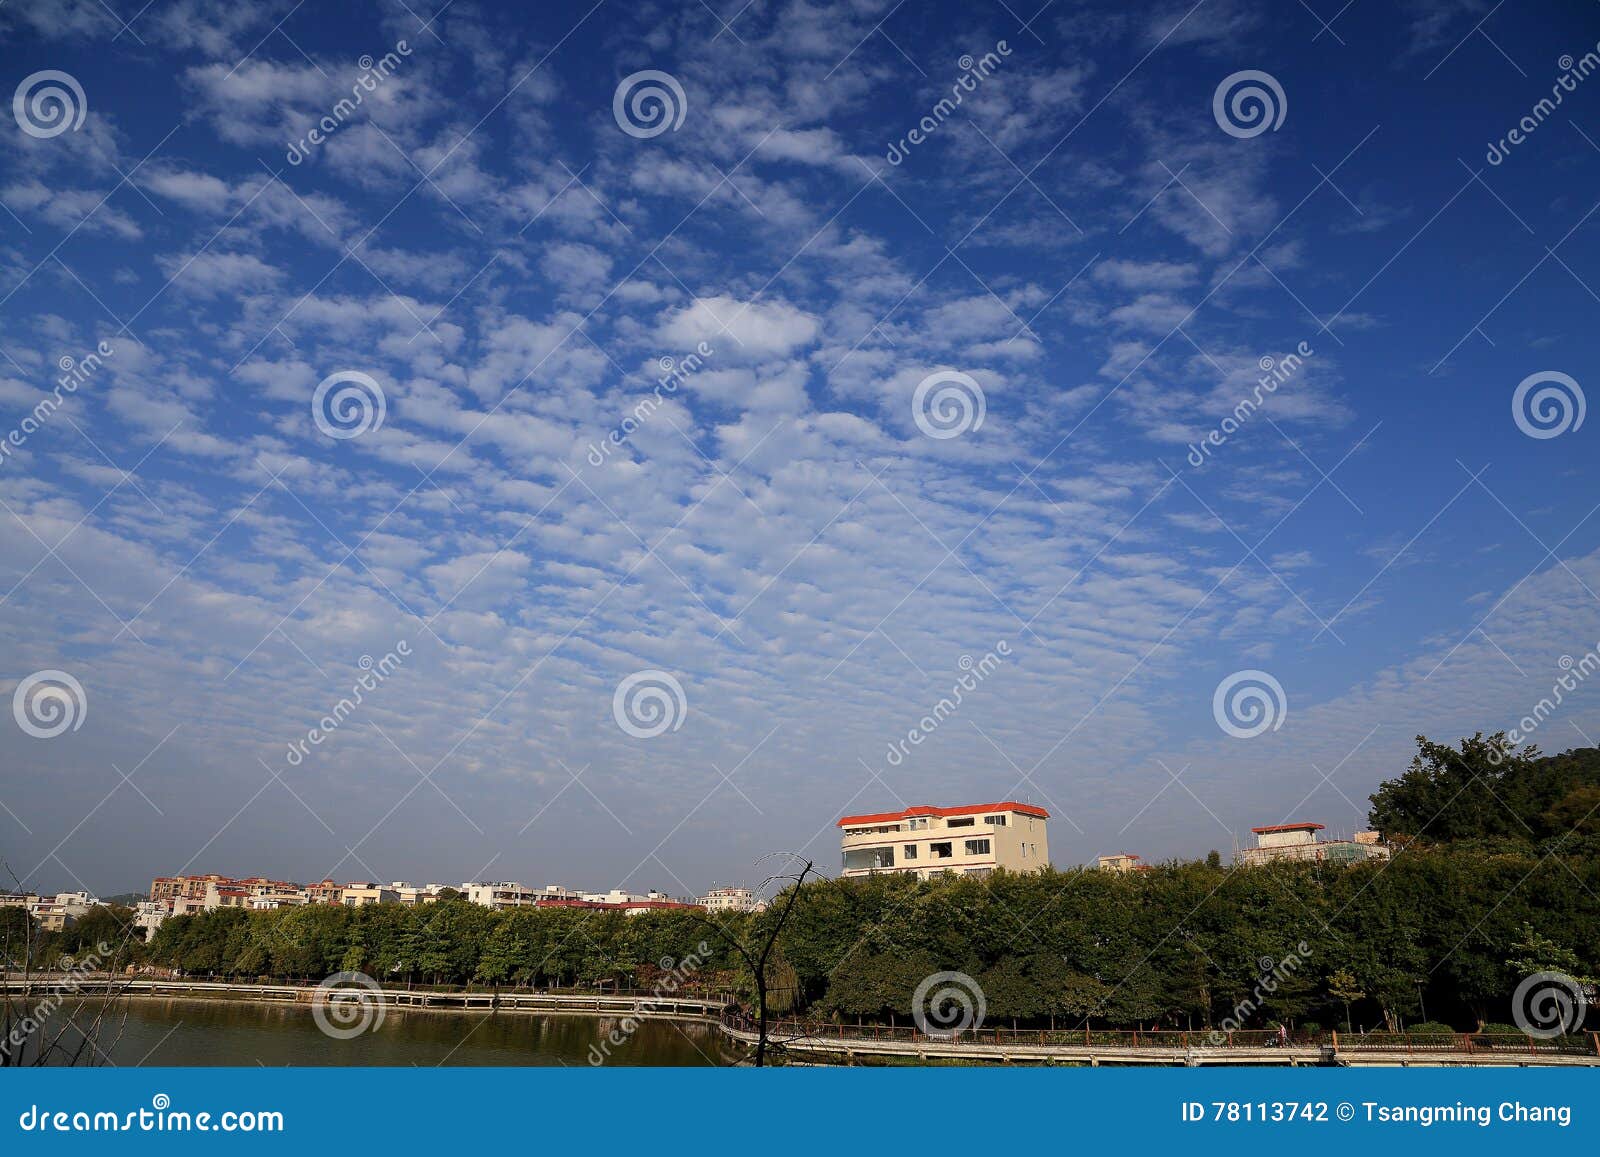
[{"x": 1299, "y": 841}]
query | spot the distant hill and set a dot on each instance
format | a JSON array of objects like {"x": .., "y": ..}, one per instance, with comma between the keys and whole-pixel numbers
[{"x": 1480, "y": 793}]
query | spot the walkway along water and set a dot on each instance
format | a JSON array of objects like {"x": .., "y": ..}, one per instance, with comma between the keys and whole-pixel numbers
[{"x": 823, "y": 1041}]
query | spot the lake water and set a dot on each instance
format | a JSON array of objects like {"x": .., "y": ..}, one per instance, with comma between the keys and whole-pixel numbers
[{"x": 201, "y": 1032}]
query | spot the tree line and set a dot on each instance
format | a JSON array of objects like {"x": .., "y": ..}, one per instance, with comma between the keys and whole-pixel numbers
[{"x": 1473, "y": 902}]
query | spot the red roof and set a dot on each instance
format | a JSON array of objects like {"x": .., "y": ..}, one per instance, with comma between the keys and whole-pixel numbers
[
  {"x": 1301, "y": 827},
  {"x": 1026, "y": 809}
]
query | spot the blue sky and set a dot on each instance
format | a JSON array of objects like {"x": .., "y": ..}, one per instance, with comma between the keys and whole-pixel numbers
[{"x": 803, "y": 571}]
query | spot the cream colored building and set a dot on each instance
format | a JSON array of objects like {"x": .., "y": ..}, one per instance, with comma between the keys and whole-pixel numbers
[
  {"x": 360, "y": 893},
  {"x": 1121, "y": 862},
  {"x": 972, "y": 840},
  {"x": 732, "y": 900}
]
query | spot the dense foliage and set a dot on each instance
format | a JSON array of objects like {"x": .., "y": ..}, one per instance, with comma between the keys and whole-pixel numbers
[
  {"x": 1441, "y": 934},
  {"x": 1476, "y": 794}
]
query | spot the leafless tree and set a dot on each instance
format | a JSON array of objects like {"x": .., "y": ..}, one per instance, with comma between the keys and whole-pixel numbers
[
  {"x": 760, "y": 936},
  {"x": 75, "y": 1022}
]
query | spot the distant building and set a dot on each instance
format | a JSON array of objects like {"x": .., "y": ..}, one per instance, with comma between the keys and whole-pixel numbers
[
  {"x": 327, "y": 892},
  {"x": 971, "y": 840},
  {"x": 1122, "y": 862},
  {"x": 1299, "y": 841},
  {"x": 499, "y": 896},
  {"x": 411, "y": 895},
  {"x": 732, "y": 900},
  {"x": 360, "y": 893},
  {"x": 52, "y": 917},
  {"x": 150, "y": 915}
]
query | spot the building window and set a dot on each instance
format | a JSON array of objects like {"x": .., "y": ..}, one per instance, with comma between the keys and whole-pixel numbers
[
  {"x": 961, "y": 823},
  {"x": 995, "y": 821},
  {"x": 977, "y": 847},
  {"x": 979, "y": 872},
  {"x": 911, "y": 851},
  {"x": 940, "y": 851}
]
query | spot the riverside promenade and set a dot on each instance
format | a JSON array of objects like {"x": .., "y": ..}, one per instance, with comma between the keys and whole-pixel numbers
[{"x": 823, "y": 1042}]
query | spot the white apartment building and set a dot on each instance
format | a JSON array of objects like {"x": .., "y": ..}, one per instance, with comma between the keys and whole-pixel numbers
[
  {"x": 971, "y": 840},
  {"x": 1299, "y": 841},
  {"x": 618, "y": 896},
  {"x": 732, "y": 900},
  {"x": 149, "y": 915}
]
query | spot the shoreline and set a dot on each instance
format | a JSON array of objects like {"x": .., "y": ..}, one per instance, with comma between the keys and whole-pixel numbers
[{"x": 845, "y": 1049}]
